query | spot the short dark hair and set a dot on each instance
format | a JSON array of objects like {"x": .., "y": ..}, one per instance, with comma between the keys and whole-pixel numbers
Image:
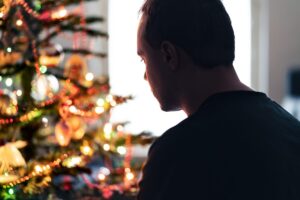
[{"x": 202, "y": 28}]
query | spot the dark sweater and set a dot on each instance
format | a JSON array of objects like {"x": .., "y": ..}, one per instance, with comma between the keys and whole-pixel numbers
[{"x": 238, "y": 146}]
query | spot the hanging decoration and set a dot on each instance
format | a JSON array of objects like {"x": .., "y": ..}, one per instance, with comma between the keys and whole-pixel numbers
[
  {"x": 63, "y": 133},
  {"x": 10, "y": 156},
  {"x": 50, "y": 55},
  {"x": 44, "y": 87},
  {"x": 9, "y": 57},
  {"x": 78, "y": 127},
  {"x": 76, "y": 68},
  {"x": 8, "y": 103}
]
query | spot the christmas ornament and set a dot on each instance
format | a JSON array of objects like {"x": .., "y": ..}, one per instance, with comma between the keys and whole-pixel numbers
[
  {"x": 50, "y": 55},
  {"x": 76, "y": 68},
  {"x": 59, "y": 13},
  {"x": 9, "y": 58},
  {"x": 8, "y": 104},
  {"x": 44, "y": 87},
  {"x": 5, "y": 6},
  {"x": 77, "y": 126},
  {"x": 21, "y": 43},
  {"x": 7, "y": 178},
  {"x": 10, "y": 156},
  {"x": 63, "y": 133}
]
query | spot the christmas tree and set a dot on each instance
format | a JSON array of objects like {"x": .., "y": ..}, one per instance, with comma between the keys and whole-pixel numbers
[{"x": 56, "y": 138}]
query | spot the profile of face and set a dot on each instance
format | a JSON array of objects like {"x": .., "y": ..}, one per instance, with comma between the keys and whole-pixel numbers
[{"x": 158, "y": 71}]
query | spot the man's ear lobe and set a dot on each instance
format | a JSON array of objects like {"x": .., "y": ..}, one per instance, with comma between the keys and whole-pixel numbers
[{"x": 170, "y": 54}]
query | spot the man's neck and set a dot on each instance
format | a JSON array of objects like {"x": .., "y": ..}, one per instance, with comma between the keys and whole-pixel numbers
[{"x": 210, "y": 82}]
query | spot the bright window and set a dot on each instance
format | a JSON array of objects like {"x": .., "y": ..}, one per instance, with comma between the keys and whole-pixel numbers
[{"x": 126, "y": 71}]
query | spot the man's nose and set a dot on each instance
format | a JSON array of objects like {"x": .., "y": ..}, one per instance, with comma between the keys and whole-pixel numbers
[{"x": 145, "y": 77}]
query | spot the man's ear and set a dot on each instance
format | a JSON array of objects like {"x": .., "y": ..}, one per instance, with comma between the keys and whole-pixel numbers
[{"x": 170, "y": 54}]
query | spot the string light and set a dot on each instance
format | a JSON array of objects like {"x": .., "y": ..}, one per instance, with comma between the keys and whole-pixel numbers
[
  {"x": 99, "y": 110},
  {"x": 72, "y": 161},
  {"x": 8, "y": 82},
  {"x": 100, "y": 102},
  {"x": 19, "y": 93},
  {"x": 120, "y": 128},
  {"x": 11, "y": 191},
  {"x": 43, "y": 69},
  {"x": 39, "y": 170},
  {"x": 45, "y": 120},
  {"x": 1, "y": 14},
  {"x": 86, "y": 149},
  {"x": 109, "y": 98},
  {"x": 9, "y": 49},
  {"x": 19, "y": 22},
  {"x": 27, "y": 8},
  {"x": 60, "y": 13},
  {"x": 129, "y": 176},
  {"x": 101, "y": 177},
  {"x": 89, "y": 76},
  {"x": 106, "y": 147},
  {"x": 121, "y": 150},
  {"x": 107, "y": 131},
  {"x": 73, "y": 109}
]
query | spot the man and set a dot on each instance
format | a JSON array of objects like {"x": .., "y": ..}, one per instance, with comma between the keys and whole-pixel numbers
[{"x": 236, "y": 143}]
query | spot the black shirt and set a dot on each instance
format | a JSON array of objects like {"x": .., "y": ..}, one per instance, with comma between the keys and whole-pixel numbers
[{"x": 239, "y": 145}]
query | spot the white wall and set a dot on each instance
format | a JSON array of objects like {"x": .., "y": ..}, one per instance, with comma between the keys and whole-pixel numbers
[
  {"x": 278, "y": 43},
  {"x": 126, "y": 71}
]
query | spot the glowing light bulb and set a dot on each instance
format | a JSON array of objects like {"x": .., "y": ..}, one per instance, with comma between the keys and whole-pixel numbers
[
  {"x": 19, "y": 22},
  {"x": 129, "y": 176},
  {"x": 73, "y": 109},
  {"x": 9, "y": 49},
  {"x": 104, "y": 170},
  {"x": 11, "y": 191},
  {"x": 99, "y": 110},
  {"x": 101, "y": 177},
  {"x": 106, "y": 147},
  {"x": 45, "y": 120},
  {"x": 43, "y": 69},
  {"x": 8, "y": 82},
  {"x": 61, "y": 13},
  {"x": 109, "y": 98},
  {"x": 89, "y": 76},
  {"x": 100, "y": 102},
  {"x": 120, "y": 128},
  {"x": 1, "y": 14},
  {"x": 113, "y": 103},
  {"x": 107, "y": 130},
  {"x": 121, "y": 150},
  {"x": 38, "y": 169},
  {"x": 19, "y": 93}
]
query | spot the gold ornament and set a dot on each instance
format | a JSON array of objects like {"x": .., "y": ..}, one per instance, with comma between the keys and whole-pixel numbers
[
  {"x": 77, "y": 127},
  {"x": 5, "y": 6},
  {"x": 44, "y": 87},
  {"x": 7, "y": 178},
  {"x": 63, "y": 133},
  {"x": 50, "y": 55},
  {"x": 86, "y": 149},
  {"x": 9, "y": 58},
  {"x": 10, "y": 156},
  {"x": 8, "y": 104},
  {"x": 76, "y": 68}
]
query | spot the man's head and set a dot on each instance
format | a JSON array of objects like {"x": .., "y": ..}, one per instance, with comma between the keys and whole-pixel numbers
[
  {"x": 176, "y": 33},
  {"x": 202, "y": 28}
]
